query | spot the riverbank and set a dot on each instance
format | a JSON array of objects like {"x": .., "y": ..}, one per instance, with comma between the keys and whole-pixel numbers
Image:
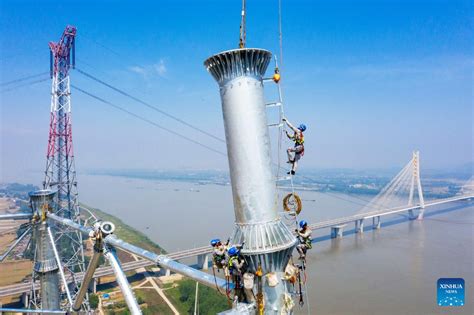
[
  {"x": 126, "y": 232},
  {"x": 156, "y": 295}
]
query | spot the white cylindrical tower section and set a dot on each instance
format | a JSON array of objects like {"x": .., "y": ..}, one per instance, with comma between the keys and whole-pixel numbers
[
  {"x": 239, "y": 75},
  {"x": 248, "y": 145},
  {"x": 46, "y": 267}
]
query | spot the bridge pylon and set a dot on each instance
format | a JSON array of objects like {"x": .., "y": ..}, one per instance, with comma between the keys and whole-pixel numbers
[{"x": 415, "y": 181}]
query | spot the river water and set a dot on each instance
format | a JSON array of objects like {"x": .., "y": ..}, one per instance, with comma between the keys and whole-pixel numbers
[{"x": 393, "y": 270}]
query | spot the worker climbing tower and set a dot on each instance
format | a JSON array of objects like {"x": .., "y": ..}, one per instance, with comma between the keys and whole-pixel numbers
[
  {"x": 60, "y": 174},
  {"x": 268, "y": 243}
]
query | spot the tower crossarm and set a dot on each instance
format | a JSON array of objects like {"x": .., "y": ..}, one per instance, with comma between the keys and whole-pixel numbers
[
  {"x": 63, "y": 52},
  {"x": 161, "y": 260}
]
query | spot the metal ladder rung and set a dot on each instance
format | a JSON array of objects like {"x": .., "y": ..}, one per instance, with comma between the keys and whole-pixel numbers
[
  {"x": 273, "y": 104},
  {"x": 284, "y": 178},
  {"x": 276, "y": 125}
]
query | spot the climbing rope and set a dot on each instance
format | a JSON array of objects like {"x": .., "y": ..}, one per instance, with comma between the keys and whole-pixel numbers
[{"x": 292, "y": 204}]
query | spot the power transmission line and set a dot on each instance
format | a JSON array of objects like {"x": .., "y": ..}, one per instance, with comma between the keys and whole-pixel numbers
[
  {"x": 120, "y": 91},
  {"x": 191, "y": 140},
  {"x": 100, "y": 45},
  {"x": 25, "y": 84},
  {"x": 147, "y": 120},
  {"x": 334, "y": 195},
  {"x": 24, "y": 78}
]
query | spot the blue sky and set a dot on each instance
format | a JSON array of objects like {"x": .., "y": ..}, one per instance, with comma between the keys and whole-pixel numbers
[{"x": 373, "y": 80}]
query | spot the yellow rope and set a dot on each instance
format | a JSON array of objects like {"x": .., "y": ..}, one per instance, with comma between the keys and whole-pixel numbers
[{"x": 292, "y": 205}]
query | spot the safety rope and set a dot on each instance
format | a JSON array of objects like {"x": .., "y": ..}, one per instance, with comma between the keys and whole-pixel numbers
[
  {"x": 227, "y": 290},
  {"x": 296, "y": 200},
  {"x": 307, "y": 299},
  {"x": 215, "y": 280},
  {"x": 280, "y": 141}
]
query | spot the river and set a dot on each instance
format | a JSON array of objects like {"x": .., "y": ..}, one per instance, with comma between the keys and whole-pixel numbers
[{"x": 393, "y": 270}]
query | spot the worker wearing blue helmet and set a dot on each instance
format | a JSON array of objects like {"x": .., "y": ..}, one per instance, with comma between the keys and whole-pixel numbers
[
  {"x": 219, "y": 253},
  {"x": 236, "y": 262},
  {"x": 295, "y": 153},
  {"x": 237, "y": 268},
  {"x": 304, "y": 236}
]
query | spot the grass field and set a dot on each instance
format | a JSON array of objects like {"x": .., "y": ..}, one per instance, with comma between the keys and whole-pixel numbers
[
  {"x": 154, "y": 303},
  {"x": 210, "y": 301}
]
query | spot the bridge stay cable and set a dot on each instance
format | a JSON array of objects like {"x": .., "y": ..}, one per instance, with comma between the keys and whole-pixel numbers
[{"x": 400, "y": 191}]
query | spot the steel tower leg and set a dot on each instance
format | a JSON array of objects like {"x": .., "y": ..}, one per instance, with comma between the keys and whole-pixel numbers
[
  {"x": 122, "y": 282},
  {"x": 94, "y": 262},
  {"x": 58, "y": 261}
]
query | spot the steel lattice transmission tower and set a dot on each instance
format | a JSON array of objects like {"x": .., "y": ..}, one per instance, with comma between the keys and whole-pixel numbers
[{"x": 60, "y": 174}]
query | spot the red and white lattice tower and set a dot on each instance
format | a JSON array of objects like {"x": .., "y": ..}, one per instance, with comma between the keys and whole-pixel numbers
[{"x": 60, "y": 174}]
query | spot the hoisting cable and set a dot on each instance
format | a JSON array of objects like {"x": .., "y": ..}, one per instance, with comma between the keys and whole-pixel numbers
[
  {"x": 242, "y": 27},
  {"x": 281, "y": 33}
]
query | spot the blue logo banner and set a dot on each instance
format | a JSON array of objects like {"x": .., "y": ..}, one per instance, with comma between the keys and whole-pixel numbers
[{"x": 450, "y": 292}]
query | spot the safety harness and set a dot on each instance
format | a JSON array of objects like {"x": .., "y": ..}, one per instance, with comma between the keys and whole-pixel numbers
[
  {"x": 307, "y": 241},
  {"x": 299, "y": 141},
  {"x": 231, "y": 262}
]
